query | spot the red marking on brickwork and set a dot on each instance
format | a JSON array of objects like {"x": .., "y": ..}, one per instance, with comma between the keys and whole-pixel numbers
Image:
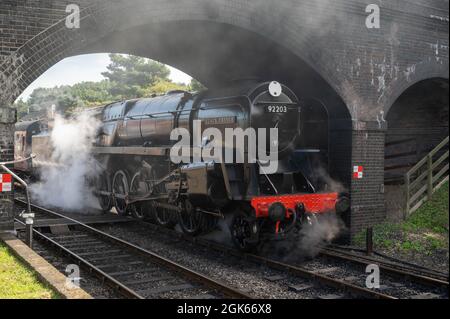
[
  {"x": 5, "y": 182},
  {"x": 358, "y": 172}
]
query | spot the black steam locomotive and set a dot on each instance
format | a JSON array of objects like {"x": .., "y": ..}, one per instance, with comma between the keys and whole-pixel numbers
[{"x": 139, "y": 178}]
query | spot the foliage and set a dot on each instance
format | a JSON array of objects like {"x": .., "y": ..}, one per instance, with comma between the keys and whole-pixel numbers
[
  {"x": 93, "y": 93},
  {"x": 127, "y": 77},
  {"x": 163, "y": 86},
  {"x": 196, "y": 86},
  {"x": 19, "y": 282},
  {"x": 424, "y": 231},
  {"x": 60, "y": 96},
  {"x": 433, "y": 215},
  {"x": 131, "y": 75},
  {"x": 22, "y": 107}
]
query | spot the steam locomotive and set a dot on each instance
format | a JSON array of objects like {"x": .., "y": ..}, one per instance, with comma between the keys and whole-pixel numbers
[{"x": 133, "y": 147}]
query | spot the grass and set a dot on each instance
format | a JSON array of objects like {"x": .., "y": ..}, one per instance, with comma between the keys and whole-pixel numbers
[
  {"x": 433, "y": 215},
  {"x": 425, "y": 231},
  {"x": 17, "y": 281}
]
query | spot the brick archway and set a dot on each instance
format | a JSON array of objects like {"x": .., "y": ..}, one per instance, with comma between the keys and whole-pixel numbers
[
  {"x": 417, "y": 122},
  {"x": 103, "y": 21},
  {"x": 320, "y": 47},
  {"x": 426, "y": 70}
]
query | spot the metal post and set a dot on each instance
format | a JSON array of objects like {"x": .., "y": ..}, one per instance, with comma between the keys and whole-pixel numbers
[
  {"x": 369, "y": 241},
  {"x": 430, "y": 176},
  {"x": 29, "y": 231}
]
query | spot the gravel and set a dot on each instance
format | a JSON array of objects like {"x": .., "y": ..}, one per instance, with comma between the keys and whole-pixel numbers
[
  {"x": 246, "y": 276},
  {"x": 253, "y": 278}
]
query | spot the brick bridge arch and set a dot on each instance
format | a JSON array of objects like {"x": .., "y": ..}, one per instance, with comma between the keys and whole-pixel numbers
[
  {"x": 423, "y": 71},
  {"x": 218, "y": 31},
  {"x": 321, "y": 48}
]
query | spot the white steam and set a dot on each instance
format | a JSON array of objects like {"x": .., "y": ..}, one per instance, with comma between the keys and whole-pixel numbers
[
  {"x": 65, "y": 185},
  {"x": 221, "y": 234},
  {"x": 320, "y": 232},
  {"x": 311, "y": 238}
]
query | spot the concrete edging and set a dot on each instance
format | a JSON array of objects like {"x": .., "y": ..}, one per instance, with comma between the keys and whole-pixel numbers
[{"x": 43, "y": 268}]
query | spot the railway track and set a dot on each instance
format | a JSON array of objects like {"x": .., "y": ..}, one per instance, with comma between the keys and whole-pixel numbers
[
  {"x": 345, "y": 282},
  {"x": 395, "y": 283},
  {"x": 132, "y": 271},
  {"x": 390, "y": 261},
  {"x": 416, "y": 274}
]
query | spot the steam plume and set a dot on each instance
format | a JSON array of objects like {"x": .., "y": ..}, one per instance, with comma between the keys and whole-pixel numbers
[
  {"x": 318, "y": 234},
  {"x": 64, "y": 185},
  {"x": 311, "y": 238}
]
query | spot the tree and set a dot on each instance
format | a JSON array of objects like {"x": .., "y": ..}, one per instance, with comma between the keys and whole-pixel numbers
[
  {"x": 93, "y": 93},
  {"x": 127, "y": 77},
  {"x": 62, "y": 97},
  {"x": 130, "y": 76},
  {"x": 196, "y": 86},
  {"x": 164, "y": 86},
  {"x": 22, "y": 108}
]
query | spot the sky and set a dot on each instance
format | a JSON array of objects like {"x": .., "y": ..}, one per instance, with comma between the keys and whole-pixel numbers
[{"x": 83, "y": 68}]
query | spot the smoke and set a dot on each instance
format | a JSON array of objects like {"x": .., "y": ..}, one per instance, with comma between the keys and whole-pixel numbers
[
  {"x": 320, "y": 232},
  {"x": 65, "y": 185},
  {"x": 308, "y": 242},
  {"x": 221, "y": 234},
  {"x": 331, "y": 184}
]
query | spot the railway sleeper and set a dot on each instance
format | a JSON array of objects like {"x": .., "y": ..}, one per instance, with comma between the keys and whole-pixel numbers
[
  {"x": 131, "y": 263},
  {"x": 156, "y": 291},
  {"x": 146, "y": 280}
]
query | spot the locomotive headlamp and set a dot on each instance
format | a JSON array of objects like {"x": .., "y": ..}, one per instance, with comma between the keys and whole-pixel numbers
[
  {"x": 277, "y": 212},
  {"x": 275, "y": 89}
]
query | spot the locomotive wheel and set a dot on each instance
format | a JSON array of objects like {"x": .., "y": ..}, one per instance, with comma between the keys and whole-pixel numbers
[
  {"x": 163, "y": 217},
  {"x": 120, "y": 187},
  {"x": 138, "y": 187},
  {"x": 190, "y": 220},
  {"x": 103, "y": 184},
  {"x": 243, "y": 232},
  {"x": 149, "y": 211}
]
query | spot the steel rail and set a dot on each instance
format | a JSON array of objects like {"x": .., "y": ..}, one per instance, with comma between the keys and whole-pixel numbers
[
  {"x": 302, "y": 272},
  {"x": 296, "y": 270},
  {"x": 394, "y": 270},
  {"x": 124, "y": 290},
  {"x": 392, "y": 261},
  {"x": 399, "y": 272},
  {"x": 299, "y": 271},
  {"x": 403, "y": 273},
  {"x": 175, "y": 267}
]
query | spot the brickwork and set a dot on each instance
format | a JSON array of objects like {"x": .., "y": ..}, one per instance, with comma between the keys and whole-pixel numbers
[
  {"x": 323, "y": 41},
  {"x": 367, "y": 193},
  {"x": 360, "y": 144},
  {"x": 6, "y": 154}
]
